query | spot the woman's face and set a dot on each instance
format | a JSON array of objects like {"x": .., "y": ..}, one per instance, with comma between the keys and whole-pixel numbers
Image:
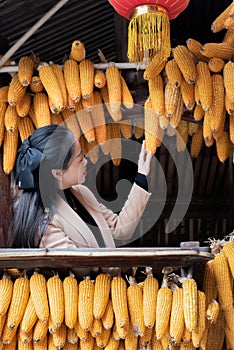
[{"x": 76, "y": 171}]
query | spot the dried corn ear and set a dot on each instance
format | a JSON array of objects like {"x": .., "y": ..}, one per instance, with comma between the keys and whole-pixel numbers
[
  {"x": 6, "y": 290},
  {"x": 86, "y": 78},
  {"x": 11, "y": 119},
  {"x": 26, "y": 67},
  {"x": 41, "y": 109},
  {"x": 186, "y": 63},
  {"x": 86, "y": 303},
  {"x": 220, "y": 50},
  {"x": 101, "y": 294},
  {"x": 189, "y": 287},
  {"x": 77, "y": 50},
  {"x": 194, "y": 47},
  {"x": 16, "y": 91},
  {"x": 119, "y": 300},
  {"x": 114, "y": 87},
  {"x": 10, "y": 148},
  {"x": 56, "y": 300},
  {"x": 70, "y": 287},
  {"x": 224, "y": 146},
  {"x": 99, "y": 78}
]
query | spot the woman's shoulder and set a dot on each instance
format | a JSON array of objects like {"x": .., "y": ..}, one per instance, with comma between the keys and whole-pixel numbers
[{"x": 84, "y": 193}]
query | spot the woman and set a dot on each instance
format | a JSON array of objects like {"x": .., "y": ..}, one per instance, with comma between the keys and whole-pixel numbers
[{"x": 54, "y": 209}]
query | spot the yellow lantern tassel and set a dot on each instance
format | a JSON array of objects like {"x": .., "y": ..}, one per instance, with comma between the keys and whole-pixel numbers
[{"x": 148, "y": 34}]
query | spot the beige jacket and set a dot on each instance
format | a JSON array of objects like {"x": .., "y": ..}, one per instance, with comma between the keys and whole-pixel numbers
[{"x": 68, "y": 230}]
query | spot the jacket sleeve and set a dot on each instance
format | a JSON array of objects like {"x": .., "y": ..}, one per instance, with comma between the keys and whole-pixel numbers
[
  {"x": 124, "y": 224},
  {"x": 54, "y": 237}
]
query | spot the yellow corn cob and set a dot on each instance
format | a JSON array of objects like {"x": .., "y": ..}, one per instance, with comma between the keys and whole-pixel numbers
[
  {"x": 71, "y": 104},
  {"x": 204, "y": 85},
  {"x": 228, "y": 251},
  {"x": 16, "y": 90},
  {"x": 126, "y": 128},
  {"x": 51, "y": 326},
  {"x": 23, "y": 105},
  {"x": 56, "y": 299},
  {"x": 197, "y": 142},
  {"x": 177, "y": 316},
  {"x": 81, "y": 333},
  {"x": 88, "y": 103},
  {"x": 216, "y": 64},
  {"x": 229, "y": 37},
  {"x": 86, "y": 124},
  {"x": 187, "y": 336},
  {"x": 10, "y": 148},
  {"x": 59, "y": 337},
  {"x": 72, "y": 336},
  {"x": 86, "y": 78},
  {"x": 186, "y": 63},
  {"x": 194, "y": 47},
  {"x": 11, "y": 119},
  {"x": 99, "y": 78},
  {"x": 207, "y": 133},
  {"x": 156, "y": 93},
  {"x": 193, "y": 128},
  {"x": 87, "y": 344},
  {"x": 50, "y": 342},
  {"x": 228, "y": 79},
  {"x": 11, "y": 345},
  {"x": 127, "y": 99},
  {"x": 77, "y": 50},
  {"x": 96, "y": 328},
  {"x": 229, "y": 105},
  {"x": 69, "y": 346},
  {"x": 223, "y": 146},
  {"x": 188, "y": 97},
  {"x": 198, "y": 113},
  {"x": 131, "y": 340},
  {"x": 151, "y": 127},
  {"x": 146, "y": 337},
  {"x": 25, "y": 339},
  {"x": 86, "y": 303},
  {"x": 42, "y": 345},
  {"x": 52, "y": 87},
  {"x": 173, "y": 73},
  {"x": 212, "y": 311},
  {"x": 114, "y": 87},
  {"x": 41, "y": 109},
  {"x": 216, "y": 334},
  {"x": 182, "y": 135},
  {"x": 19, "y": 302},
  {"x": 156, "y": 344},
  {"x": 8, "y": 334},
  {"x": 220, "y": 50},
  {"x": 56, "y": 118},
  {"x": 171, "y": 99},
  {"x": 218, "y": 103},
  {"x": 197, "y": 333},
  {"x": 52, "y": 107},
  {"x": 150, "y": 292},
  {"x": 113, "y": 344},
  {"x": 223, "y": 280},
  {"x": 70, "y": 287},
  {"x": 103, "y": 339},
  {"x": 26, "y": 67},
  {"x": 135, "y": 306},
  {"x": 4, "y": 93},
  {"x": 176, "y": 116},
  {"x": 139, "y": 128},
  {"x": 218, "y": 23},
  {"x": 29, "y": 317},
  {"x": 61, "y": 80},
  {"x": 6, "y": 289},
  {"x": 115, "y": 144},
  {"x": 25, "y": 127},
  {"x": 117, "y": 115},
  {"x": 3, "y": 107},
  {"x": 92, "y": 151},
  {"x": 98, "y": 118},
  {"x": 36, "y": 84},
  {"x": 2, "y": 323},
  {"x": 119, "y": 300},
  {"x": 101, "y": 294},
  {"x": 189, "y": 287},
  {"x": 163, "y": 310},
  {"x": 121, "y": 332},
  {"x": 40, "y": 331},
  {"x": 155, "y": 67},
  {"x": 108, "y": 316}
]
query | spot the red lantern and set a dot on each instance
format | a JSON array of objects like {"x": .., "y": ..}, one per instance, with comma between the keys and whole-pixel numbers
[{"x": 149, "y": 26}]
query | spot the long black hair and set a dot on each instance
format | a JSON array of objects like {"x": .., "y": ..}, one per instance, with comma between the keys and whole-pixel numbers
[{"x": 49, "y": 147}]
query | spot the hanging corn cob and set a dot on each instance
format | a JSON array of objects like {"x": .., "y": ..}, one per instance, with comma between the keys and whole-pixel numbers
[
  {"x": 41, "y": 109},
  {"x": 56, "y": 299},
  {"x": 86, "y": 78},
  {"x": 185, "y": 62},
  {"x": 177, "y": 316},
  {"x": 218, "y": 24},
  {"x": 126, "y": 98},
  {"x": 16, "y": 91},
  {"x": 224, "y": 146},
  {"x": 51, "y": 85},
  {"x": 10, "y": 148},
  {"x": 194, "y": 46},
  {"x": 189, "y": 287},
  {"x": 157, "y": 96},
  {"x": 119, "y": 300},
  {"x": 11, "y": 119},
  {"x": 26, "y": 67},
  {"x": 85, "y": 303},
  {"x": 36, "y": 84},
  {"x": 23, "y": 105},
  {"x": 77, "y": 50},
  {"x": 99, "y": 78},
  {"x": 114, "y": 88},
  {"x": 154, "y": 68},
  {"x": 204, "y": 85},
  {"x": 70, "y": 287},
  {"x": 101, "y": 294},
  {"x": 220, "y": 50}
]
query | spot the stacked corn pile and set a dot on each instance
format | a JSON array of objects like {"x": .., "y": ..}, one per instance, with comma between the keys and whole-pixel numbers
[
  {"x": 198, "y": 78},
  {"x": 38, "y": 312},
  {"x": 75, "y": 94}
]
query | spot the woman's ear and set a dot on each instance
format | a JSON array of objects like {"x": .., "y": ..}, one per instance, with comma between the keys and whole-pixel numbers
[{"x": 57, "y": 173}]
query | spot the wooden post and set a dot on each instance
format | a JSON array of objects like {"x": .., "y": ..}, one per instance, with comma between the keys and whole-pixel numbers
[{"x": 5, "y": 205}]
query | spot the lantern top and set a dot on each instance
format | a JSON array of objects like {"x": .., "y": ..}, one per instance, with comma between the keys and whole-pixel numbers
[{"x": 173, "y": 7}]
